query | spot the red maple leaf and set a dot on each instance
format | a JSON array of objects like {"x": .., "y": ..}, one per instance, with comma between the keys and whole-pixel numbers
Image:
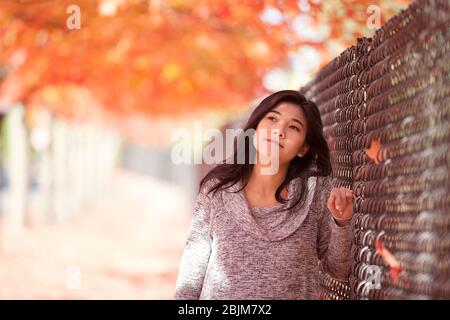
[
  {"x": 374, "y": 151},
  {"x": 389, "y": 258}
]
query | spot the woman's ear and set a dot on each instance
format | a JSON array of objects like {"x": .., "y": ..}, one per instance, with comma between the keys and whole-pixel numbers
[{"x": 303, "y": 150}]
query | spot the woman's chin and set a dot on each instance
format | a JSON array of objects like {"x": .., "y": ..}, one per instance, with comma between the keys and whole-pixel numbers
[{"x": 267, "y": 157}]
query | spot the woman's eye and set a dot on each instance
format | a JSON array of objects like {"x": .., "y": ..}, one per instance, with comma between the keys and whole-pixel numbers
[
  {"x": 271, "y": 118},
  {"x": 294, "y": 127}
]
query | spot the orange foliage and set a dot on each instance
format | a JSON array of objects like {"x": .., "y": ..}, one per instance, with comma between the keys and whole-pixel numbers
[
  {"x": 152, "y": 58},
  {"x": 374, "y": 150}
]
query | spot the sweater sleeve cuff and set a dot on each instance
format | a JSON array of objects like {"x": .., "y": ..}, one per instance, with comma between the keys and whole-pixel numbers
[{"x": 340, "y": 232}]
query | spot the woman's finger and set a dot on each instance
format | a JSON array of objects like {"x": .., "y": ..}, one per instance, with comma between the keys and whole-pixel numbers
[
  {"x": 331, "y": 201},
  {"x": 350, "y": 199},
  {"x": 345, "y": 200},
  {"x": 339, "y": 201}
]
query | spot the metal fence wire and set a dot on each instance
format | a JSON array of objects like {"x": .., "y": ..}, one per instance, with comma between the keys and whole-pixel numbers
[{"x": 385, "y": 105}]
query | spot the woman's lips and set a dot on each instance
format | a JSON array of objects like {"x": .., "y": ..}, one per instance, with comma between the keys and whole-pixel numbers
[{"x": 276, "y": 142}]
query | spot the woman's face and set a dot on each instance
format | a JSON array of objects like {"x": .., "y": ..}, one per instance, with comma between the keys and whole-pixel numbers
[{"x": 282, "y": 132}]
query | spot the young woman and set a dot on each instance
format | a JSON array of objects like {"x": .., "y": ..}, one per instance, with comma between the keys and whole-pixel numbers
[{"x": 258, "y": 233}]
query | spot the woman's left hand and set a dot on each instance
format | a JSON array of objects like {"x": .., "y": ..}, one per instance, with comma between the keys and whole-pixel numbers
[{"x": 340, "y": 203}]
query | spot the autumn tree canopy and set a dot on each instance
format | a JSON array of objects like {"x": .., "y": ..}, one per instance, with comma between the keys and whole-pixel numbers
[{"x": 153, "y": 57}]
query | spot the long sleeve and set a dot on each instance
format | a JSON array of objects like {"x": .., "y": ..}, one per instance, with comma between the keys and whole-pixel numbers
[
  {"x": 195, "y": 258},
  {"x": 334, "y": 242}
]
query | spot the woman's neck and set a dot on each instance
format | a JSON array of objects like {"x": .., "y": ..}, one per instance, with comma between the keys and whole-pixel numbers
[{"x": 264, "y": 184}]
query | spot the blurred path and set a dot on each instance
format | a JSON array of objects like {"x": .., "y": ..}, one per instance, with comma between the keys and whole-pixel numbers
[{"x": 127, "y": 246}]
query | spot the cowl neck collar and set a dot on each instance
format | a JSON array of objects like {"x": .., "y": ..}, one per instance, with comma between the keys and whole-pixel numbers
[{"x": 273, "y": 223}]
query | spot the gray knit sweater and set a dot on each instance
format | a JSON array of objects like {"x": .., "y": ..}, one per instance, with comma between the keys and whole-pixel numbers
[{"x": 234, "y": 251}]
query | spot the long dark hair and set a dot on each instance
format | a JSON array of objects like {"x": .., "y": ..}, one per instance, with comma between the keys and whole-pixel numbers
[{"x": 316, "y": 162}]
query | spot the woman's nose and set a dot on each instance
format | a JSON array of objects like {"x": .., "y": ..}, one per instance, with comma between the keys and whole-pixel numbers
[{"x": 279, "y": 133}]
